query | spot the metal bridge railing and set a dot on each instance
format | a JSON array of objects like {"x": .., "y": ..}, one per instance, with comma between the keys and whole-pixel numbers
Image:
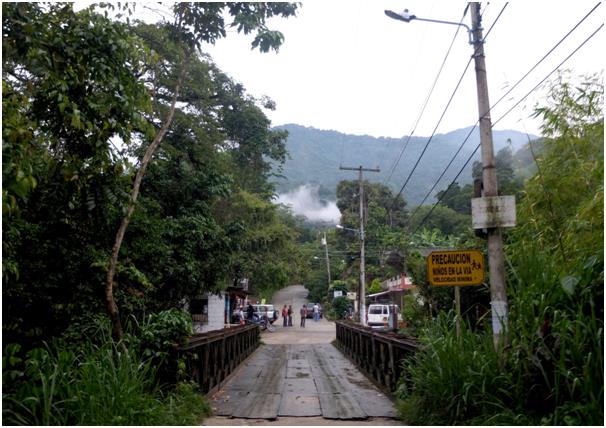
[
  {"x": 377, "y": 354},
  {"x": 211, "y": 357}
]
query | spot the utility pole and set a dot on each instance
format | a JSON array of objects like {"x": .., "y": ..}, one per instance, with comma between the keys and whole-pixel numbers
[
  {"x": 498, "y": 296},
  {"x": 362, "y": 293},
  {"x": 325, "y": 242}
]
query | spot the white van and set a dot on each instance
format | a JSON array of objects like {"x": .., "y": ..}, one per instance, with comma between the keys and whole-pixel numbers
[{"x": 382, "y": 316}]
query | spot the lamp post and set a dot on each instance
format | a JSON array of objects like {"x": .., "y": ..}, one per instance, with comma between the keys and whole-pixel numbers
[
  {"x": 496, "y": 263},
  {"x": 362, "y": 293}
]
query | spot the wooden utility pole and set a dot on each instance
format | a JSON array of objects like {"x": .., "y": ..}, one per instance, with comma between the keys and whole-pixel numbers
[
  {"x": 498, "y": 296},
  {"x": 362, "y": 293}
]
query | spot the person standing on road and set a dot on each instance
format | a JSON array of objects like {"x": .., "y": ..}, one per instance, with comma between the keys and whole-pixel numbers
[
  {"x": 290, "y": 315},
  {"x": 284, "y": 316},
  {"x": 316, "y": 312},
  {"x": 250, "y": 311},
  {"x": 303, "y": 312}
]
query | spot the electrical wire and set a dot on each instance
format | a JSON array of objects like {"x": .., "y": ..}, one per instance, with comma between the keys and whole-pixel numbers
[
  {"x": 503, "y": 116},
  {"x": 498, "y": 101},
  {"x": 426, "y": 102},
  {"x": 447, "y": 106}
]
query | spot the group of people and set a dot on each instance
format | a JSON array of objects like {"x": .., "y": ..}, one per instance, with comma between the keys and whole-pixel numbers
[
  {"x": 287, "y": 316},
  {"x": 287, "y": 313}
]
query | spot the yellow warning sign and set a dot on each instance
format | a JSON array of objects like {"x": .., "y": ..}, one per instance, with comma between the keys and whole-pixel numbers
[{"x": 457, "y": 267}]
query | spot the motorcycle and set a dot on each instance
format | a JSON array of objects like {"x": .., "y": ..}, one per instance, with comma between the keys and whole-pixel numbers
[{"x": 262, "y": 322}]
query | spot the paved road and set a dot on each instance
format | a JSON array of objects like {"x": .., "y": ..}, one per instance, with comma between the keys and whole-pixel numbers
[{"x": 297, "y": 377}]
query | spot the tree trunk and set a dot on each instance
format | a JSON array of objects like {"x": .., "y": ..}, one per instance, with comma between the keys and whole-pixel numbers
[{"x": 111, "y": 306}]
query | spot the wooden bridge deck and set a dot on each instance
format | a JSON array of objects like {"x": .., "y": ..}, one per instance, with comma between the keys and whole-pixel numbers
[{"x": 300, "y": 381}]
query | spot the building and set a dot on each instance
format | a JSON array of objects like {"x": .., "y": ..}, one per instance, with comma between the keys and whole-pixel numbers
[
  {"x": 394, "y": 290},
  {"x": 214, "y": 311}
]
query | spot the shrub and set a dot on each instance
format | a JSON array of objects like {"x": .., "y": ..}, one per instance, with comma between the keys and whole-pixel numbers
[
  {"x": 92, "y": 384},
  {"x": 340, "y": 306},
  {"x": 452, "y": 380}
]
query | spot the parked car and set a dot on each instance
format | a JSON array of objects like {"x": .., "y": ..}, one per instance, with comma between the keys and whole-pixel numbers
[
  {"x": 382, "y": 316},
  {"x": 267, "y": 309}
]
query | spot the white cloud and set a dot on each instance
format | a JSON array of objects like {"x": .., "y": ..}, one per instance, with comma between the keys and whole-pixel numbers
[{"x": 306, "y": 201}]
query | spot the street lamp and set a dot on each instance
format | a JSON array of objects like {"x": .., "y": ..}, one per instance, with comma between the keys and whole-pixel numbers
[
  {"x": 496, "y": 260},
  {"x": 407, "y": 17},
  {"x": 338, "y": 226}
]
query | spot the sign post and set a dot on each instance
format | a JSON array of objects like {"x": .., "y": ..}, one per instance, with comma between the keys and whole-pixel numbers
[{"x": 455, "y": 268}]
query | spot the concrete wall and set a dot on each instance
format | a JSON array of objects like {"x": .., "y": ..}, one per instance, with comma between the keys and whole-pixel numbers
[{"x": 216, "y": 318}]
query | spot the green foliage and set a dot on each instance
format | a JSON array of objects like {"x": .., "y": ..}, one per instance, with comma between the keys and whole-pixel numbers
[
  {"x": 442, "y": 218},
  {"x": 413, "y": 314},
  {"x": 73, "y": 81},
  {"x": 457, "y": 198},
  {"x": 160, "y": 332},
  {"x": 339, "y": 307},
  {"x": 375, "y": 286},
  {"x": 339, "y": 285},
  {"x": 453, "y": 381},
  {"x": 99, "y": 385},
  {"x": 552, "y": 370}
]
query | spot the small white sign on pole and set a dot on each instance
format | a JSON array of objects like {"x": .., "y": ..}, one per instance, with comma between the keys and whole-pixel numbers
[
  {"x": 493, "y": 211},
  {"x": 352, "y": 296},
  {"x": 338, "y": 293}
]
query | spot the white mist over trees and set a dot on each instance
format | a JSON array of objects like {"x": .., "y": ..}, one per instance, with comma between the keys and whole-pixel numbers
[{"x": 305, "y": 200}]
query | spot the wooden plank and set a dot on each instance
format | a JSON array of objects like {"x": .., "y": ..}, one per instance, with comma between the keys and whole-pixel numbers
[
  {"x": 300, "y": 386},
  {"x": 340, "y": 406},
  {"x": 299, "y": 405},
  {"x": 298, "y": 373},
  {"x": 374, "y": 403},
  {"x": 245, "y": 379},
  {"x": 224, "y": 402},
  {"x": 258, "y": 405}
]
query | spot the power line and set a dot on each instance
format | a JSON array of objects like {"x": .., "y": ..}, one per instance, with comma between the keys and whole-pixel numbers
[
  {"x": 553, "y": 71},
  {"x": 498, "y": 120},
  {"x": 499, "y": 100},
  {"x": 447, "y": 106},
  {"x": 426, "y": 102}
]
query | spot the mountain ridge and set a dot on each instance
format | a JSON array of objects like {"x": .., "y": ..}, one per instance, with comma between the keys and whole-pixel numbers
[{"x": 316, "y": 154}]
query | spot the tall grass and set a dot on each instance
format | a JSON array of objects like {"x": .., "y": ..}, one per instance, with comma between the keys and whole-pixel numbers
[
  {"x": 93, "y": 385},
  {"x": 557, "y": 337},
  {"x": 551, "y": 371},
  {"x": 453, "y": 379}
]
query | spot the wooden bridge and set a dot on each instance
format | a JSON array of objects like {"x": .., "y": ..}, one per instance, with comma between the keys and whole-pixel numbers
[{"x": 246, "y": 379}]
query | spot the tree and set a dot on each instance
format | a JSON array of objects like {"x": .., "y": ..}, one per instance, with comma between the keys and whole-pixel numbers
[
  {"x": 442, "y": 218},
  {"x": 71, "y": 86},
  {"x": 65, "y": 183},
  {"x": 457, "y": 198},
  {"x": 193, "y": 24}
]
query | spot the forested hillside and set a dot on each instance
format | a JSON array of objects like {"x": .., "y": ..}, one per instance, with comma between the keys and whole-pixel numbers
[{"x": 315, "y": 156}]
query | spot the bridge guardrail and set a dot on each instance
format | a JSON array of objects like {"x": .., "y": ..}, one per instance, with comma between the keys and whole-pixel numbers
[
  {"x": 377, "y": 354},
  {"x": 211, "y": 357}
]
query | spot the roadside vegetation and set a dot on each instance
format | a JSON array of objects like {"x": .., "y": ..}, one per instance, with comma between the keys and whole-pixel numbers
[
  {"x": 550, "y": 370},
  {"x": 135, "y": 177}
]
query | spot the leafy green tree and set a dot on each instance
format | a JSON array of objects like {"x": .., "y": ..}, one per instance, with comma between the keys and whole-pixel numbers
[
  {"x": 442, "y": 218},
  {"x": 193, "y": 24},
  {"x": 71, "y": 85},
  {"x": 457, "y": 198},
  {"x": 375, "y": 286}
]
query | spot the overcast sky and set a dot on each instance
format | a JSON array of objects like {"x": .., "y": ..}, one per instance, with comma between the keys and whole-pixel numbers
[{"x": 346, "y": 66}]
